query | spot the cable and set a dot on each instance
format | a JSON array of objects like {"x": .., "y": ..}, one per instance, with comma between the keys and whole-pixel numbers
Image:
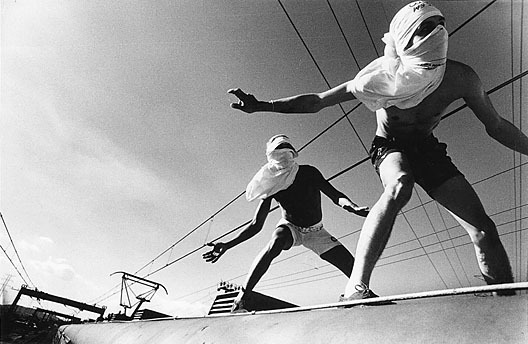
[
  {"x": 192, "y": 231},
  {"x": 319, "y": 69},
  {"x": 472, "y": 17},
  {"x": 437, "y": 237},
  {"x": 452, "y": 245},
  {"x": 343, "y": 34},
  {"x": 16, "y": 251},
  {"x": 368, "y": 30},
  {"x": 18, "y": 272}
]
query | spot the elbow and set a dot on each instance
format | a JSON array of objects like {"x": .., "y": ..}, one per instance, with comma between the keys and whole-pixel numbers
[
  {"x": 254, "y": 227},
  {"x": 316, "y": 104},
  {"x": 310, "y": 103},
  {"x": 494, "y": 129}
]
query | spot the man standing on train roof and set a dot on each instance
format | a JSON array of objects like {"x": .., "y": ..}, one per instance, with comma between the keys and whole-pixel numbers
[
  {"x": 409, "y": 88},
  {"x": 297, "y": 189}
]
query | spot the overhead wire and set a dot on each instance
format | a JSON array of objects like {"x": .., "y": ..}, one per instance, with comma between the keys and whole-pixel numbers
[
  {"x": 437, "y": 238},
  {"x": 16, "y": 251},
  {"x": 320, "y": 71},
  {"x": 367, "y": 27},
  {"x": 457, "y": 256},
  {"x": 423, "y": 248},
  {"x": 472, "y": 17},
  {"x": 13, "y": 264},
  {"x": 343, "y": 34}
]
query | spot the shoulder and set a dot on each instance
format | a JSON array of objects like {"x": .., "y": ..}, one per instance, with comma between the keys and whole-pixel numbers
[
  {"x": 309, "y": 170},
  {"x": 461, "y": 72},
  {"x": 462, "y": 76}
]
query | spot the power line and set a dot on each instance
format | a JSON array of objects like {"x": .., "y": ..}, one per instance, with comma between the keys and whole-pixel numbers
[
  {"x": 368, "y": 30},
  {"x": 320, "y": 71},
  {"x": 16, "y": 251},
  {"x": 14, "y": 266},
  {"x": 472, "y": 17},
  {"x": 343, "y": 34}
]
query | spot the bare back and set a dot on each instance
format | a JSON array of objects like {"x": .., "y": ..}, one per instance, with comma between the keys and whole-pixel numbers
[{"x": 418, "y": 122}]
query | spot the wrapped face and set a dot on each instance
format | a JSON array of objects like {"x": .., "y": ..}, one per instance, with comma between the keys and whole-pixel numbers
[
  {"x": 280, "y": 144},
  {"x": 412, "y": 23}
]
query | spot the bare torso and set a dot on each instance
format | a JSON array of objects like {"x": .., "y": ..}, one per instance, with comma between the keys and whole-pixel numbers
[{"x": 418, "y": 122}]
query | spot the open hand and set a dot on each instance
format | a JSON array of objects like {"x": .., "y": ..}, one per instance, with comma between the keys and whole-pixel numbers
[
  {"x": 218, "y": 250},
  {"x": 246, "y": 102},
  {"x": 356, "y": 209}
]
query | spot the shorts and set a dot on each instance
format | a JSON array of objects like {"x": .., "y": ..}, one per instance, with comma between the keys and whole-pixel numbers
[
  {"x": 430, "y": 164},
  {"x": 315, "y": 237}
]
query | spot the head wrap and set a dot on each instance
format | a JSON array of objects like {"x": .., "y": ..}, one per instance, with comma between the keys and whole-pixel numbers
[
  {"x": 404, "y": 77},
  {"x": 278, "y": 174}
]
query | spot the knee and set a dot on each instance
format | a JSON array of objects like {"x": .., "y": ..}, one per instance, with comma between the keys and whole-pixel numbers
[
  {"x": 399, "y": 190},
  {"x": 278, "y": 242},
  {"x": 486, "y": 235}
]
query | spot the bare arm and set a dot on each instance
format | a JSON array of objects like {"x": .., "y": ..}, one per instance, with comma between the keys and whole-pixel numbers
[
  {"x": 302, "y": 103},
  {"x": 251, "y": 230},
  {"x": 496, "y": 126},
  {"x": 341, "y": 199}
]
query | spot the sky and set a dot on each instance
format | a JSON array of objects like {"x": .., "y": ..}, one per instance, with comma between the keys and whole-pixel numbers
[{"x": 118, "y": 141}]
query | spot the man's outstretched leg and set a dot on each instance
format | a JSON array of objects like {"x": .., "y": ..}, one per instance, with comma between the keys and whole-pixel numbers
[
  {"x": 398, "y": 185},
  {"x": 281, "y": 239},
  {"x": 461, "y": 200}
]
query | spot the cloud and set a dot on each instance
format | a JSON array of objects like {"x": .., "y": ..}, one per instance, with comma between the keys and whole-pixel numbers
[
  {"x": 28, "y": 247},
  {"x": 46, "y": 240},
  {"x": 57, "y": 268},
  {"x": 35, "y": 244}
]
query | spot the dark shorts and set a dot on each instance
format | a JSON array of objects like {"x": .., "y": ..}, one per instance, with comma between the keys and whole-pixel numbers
[{"x": 428, "y": 159}]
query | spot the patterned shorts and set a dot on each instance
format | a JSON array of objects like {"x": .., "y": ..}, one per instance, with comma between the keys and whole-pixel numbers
[{"x": 315, "y": 237}]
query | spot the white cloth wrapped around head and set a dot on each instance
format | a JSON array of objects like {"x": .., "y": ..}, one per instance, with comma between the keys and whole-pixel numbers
[
  {"x": 280, "y": 171},
  {"x": 404, "y": 77}
]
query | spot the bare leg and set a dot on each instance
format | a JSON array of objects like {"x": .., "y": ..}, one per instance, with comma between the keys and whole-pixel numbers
[
  {"x": 281, "y": 239},
  {"x": 341, "y": 258},
  {"x": 459, "y": 198},
  {"x": 398, "y": 183}
]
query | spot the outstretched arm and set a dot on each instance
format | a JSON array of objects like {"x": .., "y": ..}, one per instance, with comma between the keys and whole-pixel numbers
[
  {"x": 302, "y": 103},
  {"x": 341, "y": 199},
  {"x": 251, "y": 230},
  {"x": 496, "y": 126}
]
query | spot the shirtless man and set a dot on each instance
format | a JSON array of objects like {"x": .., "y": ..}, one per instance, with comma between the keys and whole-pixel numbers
[
  {"x": 409, "y": 88},
  {"x": 297, "y": 189}
]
